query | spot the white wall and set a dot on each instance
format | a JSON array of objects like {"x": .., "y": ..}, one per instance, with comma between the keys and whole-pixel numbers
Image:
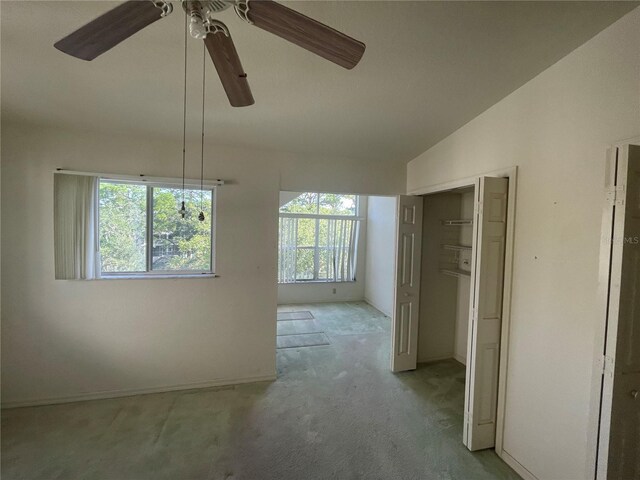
[
  {"x": 380, "y": 255},
  {"x": 321, "y": 292},
  {"x": 69, "y": 339},
  {"x": 556, "y": 129}
]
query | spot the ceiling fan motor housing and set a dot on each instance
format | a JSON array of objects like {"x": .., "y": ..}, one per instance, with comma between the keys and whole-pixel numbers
[{"x": 217, "y": 5}]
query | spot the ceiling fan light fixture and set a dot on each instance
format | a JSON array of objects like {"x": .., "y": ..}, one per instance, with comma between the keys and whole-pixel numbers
[
  {"x": 197, "y": 28},
  {"x": 201, "y": 21}
]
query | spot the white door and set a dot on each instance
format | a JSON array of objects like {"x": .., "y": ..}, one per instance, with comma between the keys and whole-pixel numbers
[
  {"x": 619, "y": 439},
  {"x": 485, "y": 314},
  {"x": 404, "y": 351}
]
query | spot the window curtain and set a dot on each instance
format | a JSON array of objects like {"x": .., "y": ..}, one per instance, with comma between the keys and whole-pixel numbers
[
  {"x": 76, "y": 237},
  {"x": 337, "y": 249},
  {"x": 341, "y": 245},
  {"x": 287, "y": 248}
]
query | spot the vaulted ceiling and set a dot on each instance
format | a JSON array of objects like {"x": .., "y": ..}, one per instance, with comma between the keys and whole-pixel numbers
[{"x": 429, "y": 68}]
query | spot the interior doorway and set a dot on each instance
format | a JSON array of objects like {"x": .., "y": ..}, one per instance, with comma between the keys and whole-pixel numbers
[
  {"x": 338, "y": 249},
  {"x": 454, "y": 249}
]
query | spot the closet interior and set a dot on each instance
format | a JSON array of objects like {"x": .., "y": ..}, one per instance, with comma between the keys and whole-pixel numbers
[{"x": 447, "y": 239}]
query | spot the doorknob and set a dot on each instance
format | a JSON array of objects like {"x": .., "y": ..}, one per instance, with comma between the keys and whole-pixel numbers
[{"x": 634, "y": 394}]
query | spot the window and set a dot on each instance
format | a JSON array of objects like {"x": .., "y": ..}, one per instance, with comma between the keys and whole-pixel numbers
[
  {"x": 142, "y": 232},
  {"x": 318, "y": 238}
]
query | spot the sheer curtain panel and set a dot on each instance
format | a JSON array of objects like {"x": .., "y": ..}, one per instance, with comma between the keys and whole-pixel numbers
[
  {"x": 287, "y": 246},
  {"x": 341, "y": 246},
  {"x": 75, "y": 227}
]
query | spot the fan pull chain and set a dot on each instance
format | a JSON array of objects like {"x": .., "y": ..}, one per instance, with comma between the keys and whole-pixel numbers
[
  {"x": 183, "y": 210},
  {"x": 204, "y": 69}
]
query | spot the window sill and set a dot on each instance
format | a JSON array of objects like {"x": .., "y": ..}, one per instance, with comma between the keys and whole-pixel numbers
[
  {"x": 315, "y": 282},
  {"x": 158, "y": 276}
]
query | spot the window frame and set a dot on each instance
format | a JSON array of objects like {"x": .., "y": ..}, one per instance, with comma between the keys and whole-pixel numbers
[
  {"x": 150, "y": 272},
  {"x": 316, "y": 247}
]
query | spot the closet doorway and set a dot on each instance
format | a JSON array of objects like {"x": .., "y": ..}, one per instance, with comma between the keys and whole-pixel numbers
[{"x": 453, "y": 287}]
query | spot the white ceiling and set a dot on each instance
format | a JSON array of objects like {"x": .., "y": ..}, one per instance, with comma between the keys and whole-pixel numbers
[{"x": 429, "y": 68}]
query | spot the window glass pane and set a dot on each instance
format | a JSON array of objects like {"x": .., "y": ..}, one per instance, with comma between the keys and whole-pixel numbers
[
  {"x": 305, "y": 263},
  {"x": 304, "y": 203},
  {"x": 123, "y": 226},
  {"x": 306, "y": 235},
  {"x": 181, "y": 244},
  {"x": 323, "y": 232},
  {"x": 333, "y": 204}
]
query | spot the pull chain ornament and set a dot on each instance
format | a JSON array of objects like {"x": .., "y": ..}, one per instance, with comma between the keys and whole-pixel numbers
[{"x": 183, "y": 211}]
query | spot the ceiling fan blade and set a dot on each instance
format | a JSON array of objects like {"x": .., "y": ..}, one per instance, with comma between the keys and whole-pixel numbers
[
  {"x": 108, "y": 30},
  {"x": 227, "y": 63},
  {"x": 306, "y": 32}
]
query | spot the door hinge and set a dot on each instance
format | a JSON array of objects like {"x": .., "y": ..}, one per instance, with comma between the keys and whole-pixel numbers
[
  {"x": 616, "y": 195},
  {"x": 607, "y": 366}
]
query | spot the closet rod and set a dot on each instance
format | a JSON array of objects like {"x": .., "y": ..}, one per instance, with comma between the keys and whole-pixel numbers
[{"x": 454, "y": 223}]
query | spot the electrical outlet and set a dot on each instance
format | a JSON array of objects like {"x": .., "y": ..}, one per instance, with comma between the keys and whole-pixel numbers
[{"x": 334, "y": 291}]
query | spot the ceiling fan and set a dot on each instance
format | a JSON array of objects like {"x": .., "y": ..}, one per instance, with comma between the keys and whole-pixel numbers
[{"x": 118, "y": 24}]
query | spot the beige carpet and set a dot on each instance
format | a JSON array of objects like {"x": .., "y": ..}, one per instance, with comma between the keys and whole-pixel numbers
[{"x": 334, "y": 413}]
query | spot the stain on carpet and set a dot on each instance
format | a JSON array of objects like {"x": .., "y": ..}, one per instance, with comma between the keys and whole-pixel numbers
[
  {"x": 303, "y": 315},
  {"x": 302, "y": 340}
]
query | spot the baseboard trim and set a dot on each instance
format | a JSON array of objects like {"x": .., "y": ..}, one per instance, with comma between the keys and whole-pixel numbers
[
  {"x": 83, "y": 397},
  {"x": 327, "y": 300},
  {"x": 517, "y": 466}
]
